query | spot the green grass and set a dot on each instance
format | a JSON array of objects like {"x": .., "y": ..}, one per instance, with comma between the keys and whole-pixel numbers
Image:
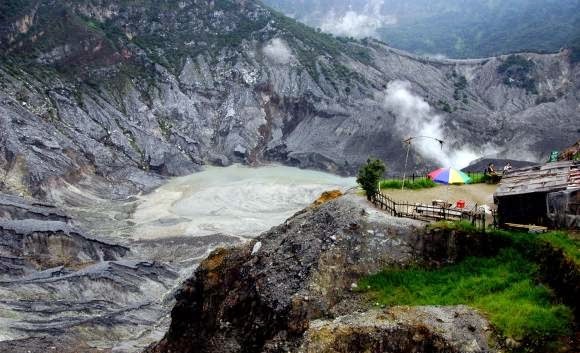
[
  {"x": 569, "y": 244},
  {"x": 477, "y": 178},
  {"x": 409, "y": 184},
  {"x": 563, "y": 241},
  {"x": 464, "y": 226},
  {"x": 503, "y": 288}
]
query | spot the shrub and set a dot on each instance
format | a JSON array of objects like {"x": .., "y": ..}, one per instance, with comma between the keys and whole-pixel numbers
[
  {"x": 369, "y": 176},
  {"x": 444, "y": 105}
]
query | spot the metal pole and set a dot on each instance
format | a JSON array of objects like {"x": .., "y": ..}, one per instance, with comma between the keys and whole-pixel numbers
[{"x": 406, "y": 159}]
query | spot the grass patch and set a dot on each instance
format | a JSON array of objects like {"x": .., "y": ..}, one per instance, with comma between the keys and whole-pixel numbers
[
  {"x": 423, "y": 183},
  {"x": 464, "y": 226},
  {"x": 502, "y": 287},
  {"x": 477, "y": 178},
  {"x": 561, "y": 240}
]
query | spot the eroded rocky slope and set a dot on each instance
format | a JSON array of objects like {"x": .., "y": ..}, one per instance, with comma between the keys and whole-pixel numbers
[
  {"x": 130, "y": 91},
  {"x": 61, "y": 288},
  {"x": 290, "y": 290},
  {"x": 295, "y": 289},
  {"x": 100, "y": 100}
]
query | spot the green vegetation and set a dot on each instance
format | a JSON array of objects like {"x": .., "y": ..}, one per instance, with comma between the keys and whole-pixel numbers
[
  {"x": 11, "y": 8},
  {"x": 423, "y": 183},
  {"x": 319, "y": 43},
  {"x": 460, "y": 29},
  {"x": 460, "y": 84},
  {"x": 526, "y": 242},
  {"x": 369, "y": 176},
  {"x": 502, "y": 287},
  {"x": 464, "y": 226},
  {"x": 309, "y": 45},
  {"x": 444, "y": 105},
  {"x": 518, "y": 71},
  {"x": 560, "y": 240},
  {"x": 165, "y": 126},
  {"x": 478, "y": 178}
]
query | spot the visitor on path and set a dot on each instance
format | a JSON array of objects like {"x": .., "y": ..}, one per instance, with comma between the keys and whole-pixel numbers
[
  {"x": 490, "y": 170},
  {"x": 491, "y": 175},
  {"x": 507, "y": 168}
]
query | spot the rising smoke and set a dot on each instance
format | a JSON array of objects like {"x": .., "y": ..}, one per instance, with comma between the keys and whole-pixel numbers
[
  {"x": 357, "y": 24},
  {"x": 416, "y": 118}
]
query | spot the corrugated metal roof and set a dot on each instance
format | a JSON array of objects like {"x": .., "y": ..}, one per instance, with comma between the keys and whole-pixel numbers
[{"x": 544, "y": 178}]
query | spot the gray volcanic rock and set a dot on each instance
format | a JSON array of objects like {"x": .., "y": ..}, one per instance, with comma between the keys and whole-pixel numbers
[
  {"x": 400, "y": 329},
  {"x": 61, "y": 288},
  {"x": 13, "y": 207},
  {"x": 48, "y": 244},
  {"x": 125, "y": 91},
  {"x": 267, "y": 295},
  {"x": 36, "y": 236},
  {"x": 101, "y": 100},
  {"x": 105, "y": 302},
  {"x": 480, "y": 165}
]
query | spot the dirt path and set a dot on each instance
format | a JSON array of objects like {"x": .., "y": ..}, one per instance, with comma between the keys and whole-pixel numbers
[{"x": 475, "y": 193}]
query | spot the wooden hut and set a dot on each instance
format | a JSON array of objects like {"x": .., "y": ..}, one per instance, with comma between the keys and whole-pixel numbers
[{"x": 545, "y": 195}]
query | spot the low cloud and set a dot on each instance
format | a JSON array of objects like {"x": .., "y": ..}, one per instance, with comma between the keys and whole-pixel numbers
[
  {"x": 357, "y": 24},
  {"x": 278, "y": 51},
  {"x": 415, "y": 117},
  {"x": 351, "y": 24}
]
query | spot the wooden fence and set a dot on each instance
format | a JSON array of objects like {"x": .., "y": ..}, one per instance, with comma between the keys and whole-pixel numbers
[{"x": 430, "y": 213}]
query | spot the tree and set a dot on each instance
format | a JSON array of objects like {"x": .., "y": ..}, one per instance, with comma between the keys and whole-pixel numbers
[{"x": 369, "y": 176}]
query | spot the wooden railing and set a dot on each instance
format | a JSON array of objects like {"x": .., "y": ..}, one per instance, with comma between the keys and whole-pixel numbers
[{"x": 429, "y": 212}]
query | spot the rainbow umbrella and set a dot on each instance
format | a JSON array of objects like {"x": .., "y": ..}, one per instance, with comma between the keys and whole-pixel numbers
[{"x": 449, "y": 176}]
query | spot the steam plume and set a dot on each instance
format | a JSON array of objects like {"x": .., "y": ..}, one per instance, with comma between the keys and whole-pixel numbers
[
  {"x": 278, "y": 51},
  {"x": 416, "y": 118}
]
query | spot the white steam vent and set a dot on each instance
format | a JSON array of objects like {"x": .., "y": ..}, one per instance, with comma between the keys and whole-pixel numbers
[
  {"x": 278, "y": 51},
  {"x": 416, "y": 118}
]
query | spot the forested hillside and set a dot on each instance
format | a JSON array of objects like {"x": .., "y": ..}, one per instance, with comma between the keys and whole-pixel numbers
[{"x": 453, "y": 28}]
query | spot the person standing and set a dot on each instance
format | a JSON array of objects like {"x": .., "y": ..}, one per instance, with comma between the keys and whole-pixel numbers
[{"x": 507, "y": 168}]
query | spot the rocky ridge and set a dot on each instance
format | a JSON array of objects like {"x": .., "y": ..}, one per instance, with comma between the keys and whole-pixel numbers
[
  {"x": 129, "y": 93},
  {"x": 290, "y": 290}
]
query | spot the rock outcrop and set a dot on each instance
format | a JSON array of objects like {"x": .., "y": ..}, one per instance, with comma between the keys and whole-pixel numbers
[
  {"x": 290, "y": 289},
  {"x": 37, "y": 237},
  {"x": 400, "y": 329}
]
